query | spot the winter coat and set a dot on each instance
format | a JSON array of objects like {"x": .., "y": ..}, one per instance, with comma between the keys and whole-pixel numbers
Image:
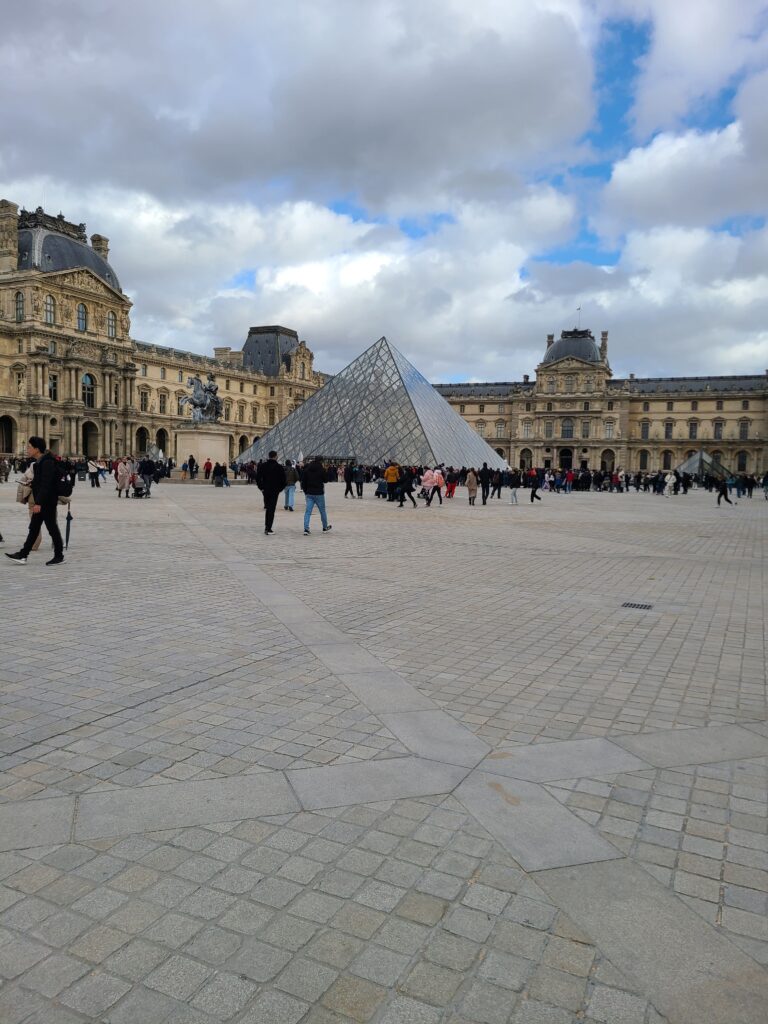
[
  {"x": 471, "y": 484},
  {"x": 123, "y": 475}
]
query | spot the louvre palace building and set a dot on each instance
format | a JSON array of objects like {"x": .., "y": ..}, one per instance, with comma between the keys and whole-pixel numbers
[{"x": 71, "y": 372}]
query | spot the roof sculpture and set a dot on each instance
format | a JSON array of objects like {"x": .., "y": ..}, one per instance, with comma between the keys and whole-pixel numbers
[{"x": 377, "y": 409}]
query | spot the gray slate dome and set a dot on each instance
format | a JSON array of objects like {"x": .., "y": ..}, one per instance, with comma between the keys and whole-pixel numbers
[
  {"x": 52, "y": 244},
  {"x": 573, "y": 344}
]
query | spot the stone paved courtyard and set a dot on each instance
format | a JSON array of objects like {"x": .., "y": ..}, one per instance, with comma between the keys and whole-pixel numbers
[{"x": 423, "y": 769}]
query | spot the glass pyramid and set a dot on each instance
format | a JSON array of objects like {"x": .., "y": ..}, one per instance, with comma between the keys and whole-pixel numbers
[
  {"x": 377, "y": 409},
  {"x": 702, "y": 463}
]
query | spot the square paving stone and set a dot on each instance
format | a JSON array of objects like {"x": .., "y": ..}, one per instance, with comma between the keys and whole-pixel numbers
[
  {"x": 402, "y": 936},
  {"x": 247, "y": 918},
  {"x": 259, "y": 961},
  {"x": 530, "y": 1011},
  {"x": 487, "y": 1004},
  {"x": 483, "y": 897},
  {"x": 360, "y": 921},
  {"x": 300, "y": 869},
  {"x": 505, "y": 970},
  {"x": 224, "y": 995},
  {"x": 335, "y": 948},
  {"x": 173, "y": 930},
  {"x": 613, "y": 1007},
  {"x": 136, "y": 960},
  {"x": 143, "y": 1006},
  {"x": 61, "y": 929},
  {"x": 421, "y": 908},
  {"x": 289, "y": 932},
  {"x": 54, "y": 974},
  {"x": 95, "y": 993},
  {"x": 316, "y": 906},
  {"x": 470, "y": 924},
  {"x": 98, "y": 943},
  {"x": 275, "y": 1008},
  {"x": 275, "y": 892},
  {"x": 340, "y": 883},
  {"x": 440, "y": 884},
  {"x": 558, "y": 988},
  {"x": 408, "y": 1011},
  {"x": 432, "y": 984},
  {"x": 452, "y": 951},
  {"x": 383, "y": 966},
  {"x": 354, "y": 997},
  {"x": 571, "y": 957},
  {"x": 518, "y": 938},
  {"x": 214, "y": 945},
  {"x": 305, "y": 979},
  {"x": 178, "y": 977}
]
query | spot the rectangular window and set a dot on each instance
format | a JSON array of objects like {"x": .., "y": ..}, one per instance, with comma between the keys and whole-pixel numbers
[
  {"x": 179, "y": 407},
  {"x": 181, "y": 376},
  {"x": 549, "y": 429},
  {"x": 670, "y": 406},
  {"x": 717, "y": 431},
  {"x": 586, "y": 407},
  {"x": 646, "y": 406},
  {"x": 255, "y": 389},
  {"x": 501, "y": 407},
  {"x": 745, "y": 404},
  {"x": 694, "y": 406},
  {"x": 143, "y": 369},
  {"x": 719, "y": 405},
  {"x": 645, "y": 430},
  {"x": 609, "y": 406},
  {"x": 242, "y": 387},
  {"x": 527, "y": 429},
  {"x": 226, "y": 385},
  {"x": 271, "y": 390},
  {"x": 744, "y": 430},
  {"x": 499, "y": 430},
  {"x": 21, "y": 347},
  {"x": 481, "y": 408},
  {"x": 117, "y": 394},
  {"x": 163, "y": 404},
  {"x": 585, "y": 428},
  {"x": 693, "y": 431},
  {"x": 668, "y": 431},
  {"x": 527, "y": 406},
  {"x": 162, "y": 373},
  {"x": 53, "y": 387},
  {"x": 462, "y": 409},
  {"x": 480, "y": 428},
  {"x": 271, "y": 417},
  {"x": 52, "y": 347},
  {"x": 143, "y": 400}
]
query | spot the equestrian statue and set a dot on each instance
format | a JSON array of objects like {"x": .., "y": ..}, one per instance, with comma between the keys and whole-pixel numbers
[{"x": 204, "y": 400}]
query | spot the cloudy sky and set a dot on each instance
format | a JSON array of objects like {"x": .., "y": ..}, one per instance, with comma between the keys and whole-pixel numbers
[{"x": 459, "y": 176}]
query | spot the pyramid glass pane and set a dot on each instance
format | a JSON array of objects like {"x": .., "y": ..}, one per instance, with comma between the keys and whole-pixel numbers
[{"x": 379, "y": 408}]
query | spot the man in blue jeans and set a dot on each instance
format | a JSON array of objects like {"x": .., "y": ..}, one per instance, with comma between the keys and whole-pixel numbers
[{"x": 313, "y": 485}]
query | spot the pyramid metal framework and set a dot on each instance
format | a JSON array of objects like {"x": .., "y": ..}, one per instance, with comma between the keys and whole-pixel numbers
[
  {"x": 701, "y": 463},
  {"x": 377, "y": 409}
]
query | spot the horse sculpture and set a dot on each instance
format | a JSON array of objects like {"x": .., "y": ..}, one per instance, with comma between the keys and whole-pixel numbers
[{"x": 206, "y": 404}]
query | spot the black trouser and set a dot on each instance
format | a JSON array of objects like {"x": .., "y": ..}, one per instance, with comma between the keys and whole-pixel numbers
[
  {"x": 270, "y": 504},
  {"x": 359, "y": 486},
  {"x": 534, "y": 495},
  {"x": 94, "y": 479},
  {"x": 435, "y": 491},
  {"x": 724, "y": 494},
  {"x": 404, "y": 495},
  {"x": 348, "y": 489},
  {"x": 391, "y": 489},
  {"x": 484, "y": 489},
  {"x": 47, "y": 515},
  {"x": 497, "y": 491}
]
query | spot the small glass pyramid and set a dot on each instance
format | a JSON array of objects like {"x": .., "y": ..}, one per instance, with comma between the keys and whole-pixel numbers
[{"x": 378, "y": 409}]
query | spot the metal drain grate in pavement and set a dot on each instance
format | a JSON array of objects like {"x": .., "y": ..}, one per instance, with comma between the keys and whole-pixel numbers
[{"x": 642, "y": 607}]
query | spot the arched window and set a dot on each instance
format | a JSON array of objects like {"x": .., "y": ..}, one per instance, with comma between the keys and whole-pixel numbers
[
  {"x": 111, "y": 325},
  {"x": 88, "y": 390},
  {"x": 567, "y": 430},
  {"x": 82, "y": 317},
  {"x": 302, "y": 371},
  {"x": 643, "y": 460},
  {"x": 49, "y": 310},
  {"x": 19, "y": 307}
]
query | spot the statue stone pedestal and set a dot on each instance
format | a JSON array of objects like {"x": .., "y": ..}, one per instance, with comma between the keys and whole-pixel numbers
[{"x": 204, "y": 441}]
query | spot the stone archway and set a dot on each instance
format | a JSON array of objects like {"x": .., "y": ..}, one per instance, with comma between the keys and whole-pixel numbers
[
  {"x": 142, "y": 440},
  {"x": 526, "y": 458},
  {"x": 607, "y": 460},
  {"x": 9, "y": 434},
  {"x": 243, "y": 443},
  {"x": 566, "y": 458},
  {"x": 89, "y": 440},
  {"x": 161, "y": 440}
]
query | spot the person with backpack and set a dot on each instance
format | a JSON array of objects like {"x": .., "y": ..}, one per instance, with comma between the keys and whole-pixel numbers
[{"x": 49, "y": 483}]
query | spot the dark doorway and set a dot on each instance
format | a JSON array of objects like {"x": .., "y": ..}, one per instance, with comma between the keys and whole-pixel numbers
[
  {"x": 566, "y": 458},
  {"x": 90, "y": 440}
]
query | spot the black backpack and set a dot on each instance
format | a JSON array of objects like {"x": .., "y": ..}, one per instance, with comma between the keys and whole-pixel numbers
[{"x": 65, "y": 483}]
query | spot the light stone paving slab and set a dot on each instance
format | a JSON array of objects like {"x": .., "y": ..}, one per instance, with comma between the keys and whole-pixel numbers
[
  {"x": 437, "y": 736},
  {"x": 182, "y": 803},
  {"x": 339, "y": 785},
  {"x": 537, "y": 830},
  {"x": 547, "y": 762},
  {"x": 695, "y": 746},
  {"x": 690, "y": 973},
  {"x": 36, "y": 823},
  {"x": 385, "y": 690}
]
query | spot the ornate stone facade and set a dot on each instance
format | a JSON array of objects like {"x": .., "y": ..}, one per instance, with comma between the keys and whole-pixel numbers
[
  {"x": 70, "y": 371},
  {"x": 576, "y": 414}
]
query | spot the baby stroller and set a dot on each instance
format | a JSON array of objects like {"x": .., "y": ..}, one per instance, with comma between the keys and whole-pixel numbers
[{"x": 138, "y": 487}]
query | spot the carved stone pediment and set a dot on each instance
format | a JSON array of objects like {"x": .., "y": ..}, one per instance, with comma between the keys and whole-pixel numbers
[
  {"x": 84, "y": 349},
  {"x": 85, "y": 281}
]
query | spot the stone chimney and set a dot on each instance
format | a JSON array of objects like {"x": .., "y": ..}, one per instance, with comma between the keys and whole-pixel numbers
[
  {"x": 550, "y": 340},
  {"x": 100, "y": 244},
  {"x": 9, "y": 237},
  {"x": 526, "y": 378},
  {"x": 604, "y": 345},
  {"x": 631, "y": 376}
]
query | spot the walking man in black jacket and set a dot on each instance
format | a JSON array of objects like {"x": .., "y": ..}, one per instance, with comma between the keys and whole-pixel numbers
[
  {"x": 484, "y": 476},
  {"x": 46, "y": 497},
  {"x": 270, "y": 478}
]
